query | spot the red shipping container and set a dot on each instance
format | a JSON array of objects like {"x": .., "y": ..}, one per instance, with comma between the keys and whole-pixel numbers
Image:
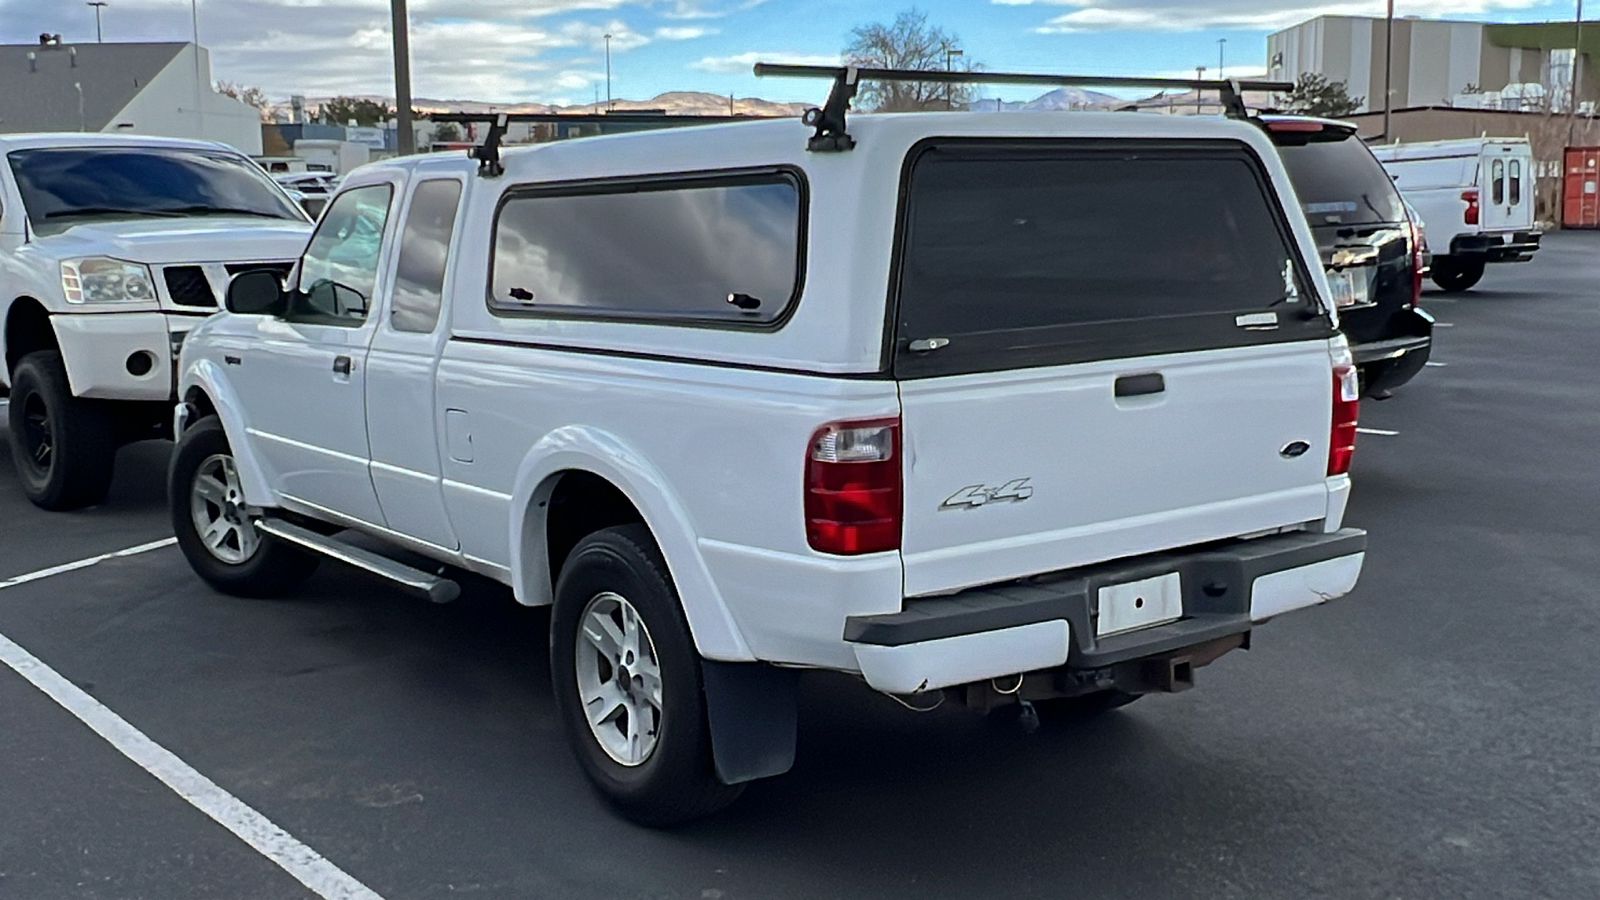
[{"x": 1580, "y": 188}]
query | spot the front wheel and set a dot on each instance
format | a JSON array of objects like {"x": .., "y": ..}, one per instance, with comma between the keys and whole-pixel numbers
[
  {"x": 1454, "y": 275},
  {"x": 214, "y": 529},
  {"x": 63, "y": 446},
  {"x": 628, "y": 682}
]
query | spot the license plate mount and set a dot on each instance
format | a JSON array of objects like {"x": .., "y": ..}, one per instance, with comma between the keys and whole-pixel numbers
[{"x": 1132, "y": 605}]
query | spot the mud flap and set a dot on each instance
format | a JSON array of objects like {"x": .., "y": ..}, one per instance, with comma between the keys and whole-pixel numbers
[{"x": 753, "y": 710}]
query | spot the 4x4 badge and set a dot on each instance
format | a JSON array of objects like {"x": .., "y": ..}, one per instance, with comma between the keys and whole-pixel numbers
[{"x": 1016, "y": 490}]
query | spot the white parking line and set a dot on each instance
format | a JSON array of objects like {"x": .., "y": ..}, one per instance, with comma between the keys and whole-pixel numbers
[
  {"x": 303, "y": 863},
  {"x": 1381, "y": 431},
  {"x": 1444, "y": 324},
  {"x": 85, "y": 563},
  {"x": 1435, "y": 365}
]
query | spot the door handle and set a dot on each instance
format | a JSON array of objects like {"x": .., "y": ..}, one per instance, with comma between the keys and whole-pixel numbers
[
  {"x": 1137, "y": 385},
  {"x": 341, "y": 365}
]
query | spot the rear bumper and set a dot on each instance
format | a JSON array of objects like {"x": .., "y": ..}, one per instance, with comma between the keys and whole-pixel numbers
[
  {"x": 1391, "y": 362},
  {"x": 1049, "y": 621},
  {"x": 1516, "y": 246}
]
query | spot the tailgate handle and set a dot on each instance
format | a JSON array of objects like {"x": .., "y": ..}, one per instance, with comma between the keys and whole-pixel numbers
[{"x": 1137, "y": 385}]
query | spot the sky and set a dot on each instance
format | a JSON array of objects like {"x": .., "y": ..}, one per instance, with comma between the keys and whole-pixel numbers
[{"x": 553, "y": 51}]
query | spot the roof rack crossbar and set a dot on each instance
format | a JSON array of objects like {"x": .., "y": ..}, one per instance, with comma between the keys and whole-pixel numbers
[
  {"x": 488, "y": 153},
  {"x": 830, "y": 124}
]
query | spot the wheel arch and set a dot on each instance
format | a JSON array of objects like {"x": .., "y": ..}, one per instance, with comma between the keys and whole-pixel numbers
[
  {"x": 207, "y": 391},
  {"x": 599, "y": 461},
  {"x": 27, "y": 330}
]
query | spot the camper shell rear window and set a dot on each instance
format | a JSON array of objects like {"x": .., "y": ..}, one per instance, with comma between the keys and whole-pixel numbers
[{"x": 1013, "y": 254}]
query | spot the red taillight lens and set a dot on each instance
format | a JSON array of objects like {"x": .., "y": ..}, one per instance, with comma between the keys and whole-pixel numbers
[
  {"x": 1342, "y": 433},
  {"x": 852, "y": 493},
  {"x": 1470, "y": 214}
]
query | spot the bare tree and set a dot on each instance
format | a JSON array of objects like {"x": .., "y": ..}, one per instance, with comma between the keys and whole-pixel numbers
[
  {"x": 254, "y": 96},
  {"x": 908, "y": 43}
]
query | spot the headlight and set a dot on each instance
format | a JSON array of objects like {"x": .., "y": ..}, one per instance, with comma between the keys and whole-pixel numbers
[{"x": 99, "y": 279}]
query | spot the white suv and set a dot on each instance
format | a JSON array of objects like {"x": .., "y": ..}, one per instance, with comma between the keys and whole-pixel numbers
[
  {"x": 111, "y": 249},
  {"x": 999, "y": 409}
]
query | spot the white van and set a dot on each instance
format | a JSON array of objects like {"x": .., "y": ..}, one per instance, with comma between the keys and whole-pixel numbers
[{"x": 1476, "y": 197}]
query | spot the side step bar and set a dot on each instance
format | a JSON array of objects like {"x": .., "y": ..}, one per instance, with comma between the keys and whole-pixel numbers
[{"x": 431, "y": 587}]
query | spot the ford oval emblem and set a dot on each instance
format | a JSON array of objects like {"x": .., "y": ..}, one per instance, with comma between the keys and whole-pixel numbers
[{"x": 1294, "y": 449}]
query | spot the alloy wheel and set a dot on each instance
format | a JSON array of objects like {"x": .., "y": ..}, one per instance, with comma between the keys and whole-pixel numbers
[
  {"x": 216, "y": 503},
  {"x": 619, "y": 679}
]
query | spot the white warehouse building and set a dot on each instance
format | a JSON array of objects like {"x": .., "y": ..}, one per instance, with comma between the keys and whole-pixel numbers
[
  {"x": 120, "y": 88},
  {"x": 1437, "y": 62}
]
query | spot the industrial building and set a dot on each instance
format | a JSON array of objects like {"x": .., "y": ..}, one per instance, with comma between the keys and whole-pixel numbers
[
  {"x": 120, "y": 88},
  {"x": 1439, "y": 62}
]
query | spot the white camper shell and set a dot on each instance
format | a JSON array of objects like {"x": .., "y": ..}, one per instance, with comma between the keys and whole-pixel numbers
[{"x": 1476, "y": 196}]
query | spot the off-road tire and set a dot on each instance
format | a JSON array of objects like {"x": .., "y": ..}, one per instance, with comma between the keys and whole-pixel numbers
[
  {"x": 677, "y": 781},
  {"x": 1456, "y": 275},
  {"x": 273, "y": 569},
  {"x": 63, "y": 447}
]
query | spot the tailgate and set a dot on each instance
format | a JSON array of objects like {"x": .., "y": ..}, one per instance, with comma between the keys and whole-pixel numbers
[{"x": 1100, "y": 354}]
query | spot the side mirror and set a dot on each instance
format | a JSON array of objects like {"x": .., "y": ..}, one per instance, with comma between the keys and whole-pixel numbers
[{"x": 257, "y": 292}]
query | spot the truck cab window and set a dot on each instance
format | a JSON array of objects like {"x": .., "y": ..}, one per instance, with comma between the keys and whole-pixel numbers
[
  {"x": 424, "y": 251},
  {"x": 340, "y": 267}
]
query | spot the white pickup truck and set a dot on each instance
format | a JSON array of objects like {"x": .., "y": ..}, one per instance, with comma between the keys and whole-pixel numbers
[
  {"x": 1038, "y": 411},
  {"x": 1476, "y": 198},
  {"x": 111, "y": 248}
]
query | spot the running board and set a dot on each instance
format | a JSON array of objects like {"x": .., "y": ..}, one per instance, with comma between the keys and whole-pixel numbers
[{"x": 431, "y": 587}]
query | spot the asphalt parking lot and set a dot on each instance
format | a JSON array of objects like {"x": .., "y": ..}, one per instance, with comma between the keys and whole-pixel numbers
[{"x": 1435, "y": 734}]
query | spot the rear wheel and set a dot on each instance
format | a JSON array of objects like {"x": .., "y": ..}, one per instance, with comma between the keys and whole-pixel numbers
[
  {"x": 213, "y": 526},
  {"x": 63, "y": 446},
  {"x": 1453, "y": 274},
  {"x": 628, "y": 683}
]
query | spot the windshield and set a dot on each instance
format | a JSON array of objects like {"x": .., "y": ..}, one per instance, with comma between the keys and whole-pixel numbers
[
  {"x": 1339, "y": 181},
  {"x": 66, "y": 186}
]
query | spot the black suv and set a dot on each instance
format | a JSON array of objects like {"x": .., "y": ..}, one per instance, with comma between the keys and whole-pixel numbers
[{"x": 1371, "y": 248}]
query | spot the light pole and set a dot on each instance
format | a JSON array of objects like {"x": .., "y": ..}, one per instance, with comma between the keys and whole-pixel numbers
[
  {"x": 948, "y": 88},
  {"x": 1222, "y": 46},
  {"x": 1577, "y": 69},
  {"x": 608, "y": 73},
  {"x": 199, "y": 80},
  {"x": 405, "y": 135},
  {"x": 1199, "y": 75},
  {"x": 98, "y": 5},
  {"x": 1388, "y": 67}
]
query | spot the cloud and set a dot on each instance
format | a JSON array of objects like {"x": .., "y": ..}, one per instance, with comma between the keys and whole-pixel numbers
[
  {"x": 742, "y": 62},
  {"x": 1178, "y": 15},
  {"x": 670, "y": 33}
]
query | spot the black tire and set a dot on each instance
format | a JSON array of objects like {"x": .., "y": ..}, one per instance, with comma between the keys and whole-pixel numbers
[
  {"x": 271, "y": 569},
  {"x": 676, "y": 781},
  {"x": 64, "y": 447},
  {"x": 1455, "y": 275}
]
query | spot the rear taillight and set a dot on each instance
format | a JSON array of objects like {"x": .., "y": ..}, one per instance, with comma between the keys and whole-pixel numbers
[
  {"x": 1470, "y": 215},
  {"x": 852, "y": 491},
  {"x": 1342, "y": 432}
]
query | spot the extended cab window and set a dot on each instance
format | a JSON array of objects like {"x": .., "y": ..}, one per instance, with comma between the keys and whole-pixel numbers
[
  {"x": 66, "y": 186},
  {"x": 1021, "y": 254},
  {"x": 722, "y": 250},
  {"x": 424, "y": 253},
  {"x": 340, "y": 267}
]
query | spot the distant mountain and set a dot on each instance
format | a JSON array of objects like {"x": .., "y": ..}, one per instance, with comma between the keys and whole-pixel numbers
[{"x": 1059, "y": 99}]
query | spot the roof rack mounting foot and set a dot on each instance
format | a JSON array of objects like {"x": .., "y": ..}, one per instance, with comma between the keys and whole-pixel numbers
[
  {"x": 829, "y": 121},
  {"x": 488, "y": 153}
]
